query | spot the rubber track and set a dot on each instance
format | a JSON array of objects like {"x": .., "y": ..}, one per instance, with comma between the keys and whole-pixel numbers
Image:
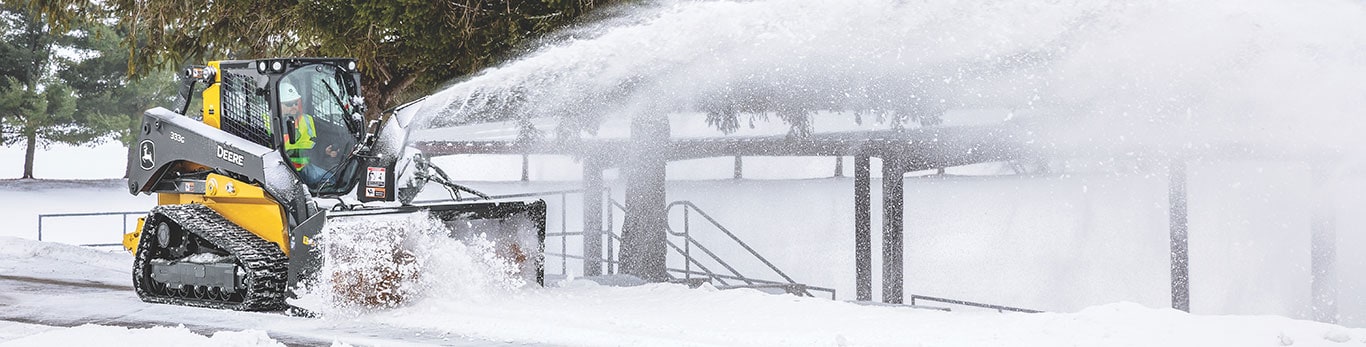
[{"x": 265, "y": 264}]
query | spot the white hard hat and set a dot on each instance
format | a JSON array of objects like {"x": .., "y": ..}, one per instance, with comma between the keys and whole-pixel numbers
[{"x": 287, "y": 92}]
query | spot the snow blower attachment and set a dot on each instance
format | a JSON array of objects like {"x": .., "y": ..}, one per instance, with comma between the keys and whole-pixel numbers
[{"x": 248, "y": 185}]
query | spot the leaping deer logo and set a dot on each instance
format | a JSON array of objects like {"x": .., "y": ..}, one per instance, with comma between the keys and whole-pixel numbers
[{"x": 147, "y": 155}]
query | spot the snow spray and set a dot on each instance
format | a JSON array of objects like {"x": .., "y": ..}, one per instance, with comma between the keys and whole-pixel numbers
[{"x": 381, "y": 262}]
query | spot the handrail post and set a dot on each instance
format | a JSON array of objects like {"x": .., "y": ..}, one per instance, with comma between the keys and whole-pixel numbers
[
  {"x": 611, "y": 223},
  {"x": 40, "y": 227},
  {"x": 687, "y": 244},
  {"x": 564, "y": 234}
]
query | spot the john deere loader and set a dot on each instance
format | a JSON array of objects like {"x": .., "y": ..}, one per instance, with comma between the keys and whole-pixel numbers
[{"x": 279, "y": 151}]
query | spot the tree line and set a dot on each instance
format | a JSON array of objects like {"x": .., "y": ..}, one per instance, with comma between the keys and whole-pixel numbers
[{"x": 80, "y": 72}]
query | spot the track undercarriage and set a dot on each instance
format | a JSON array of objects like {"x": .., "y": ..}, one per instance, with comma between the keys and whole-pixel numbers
[{"x": 190, "y": 255}]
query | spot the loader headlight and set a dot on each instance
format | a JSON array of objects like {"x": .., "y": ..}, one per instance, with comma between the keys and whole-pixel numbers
[
  {"x": 261, "y": 67},
  {"x": 201, "y": 73},
  {"x": 277, "y": 66},
  {"x": 351, "y": 66},
  {"x": 207, "y": 74}
]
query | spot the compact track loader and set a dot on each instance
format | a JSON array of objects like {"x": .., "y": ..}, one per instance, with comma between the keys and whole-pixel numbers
[{"x": 245, "y": 186}]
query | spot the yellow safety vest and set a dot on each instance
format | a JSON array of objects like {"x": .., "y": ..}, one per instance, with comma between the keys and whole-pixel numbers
[{"x": 298, "y": 150}]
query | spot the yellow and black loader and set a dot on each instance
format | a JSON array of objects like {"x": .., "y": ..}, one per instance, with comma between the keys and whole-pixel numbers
[{"x": 244, "y": 186}]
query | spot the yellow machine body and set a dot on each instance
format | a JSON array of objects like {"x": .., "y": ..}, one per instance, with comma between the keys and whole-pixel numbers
[
  {"x": 211, "y": 96},
  {"x": 242, "y": 203}
]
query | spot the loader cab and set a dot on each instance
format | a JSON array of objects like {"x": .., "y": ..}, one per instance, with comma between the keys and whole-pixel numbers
[
  {"x": 315, "y": 102},
  {"x": 308, "y": 110}
]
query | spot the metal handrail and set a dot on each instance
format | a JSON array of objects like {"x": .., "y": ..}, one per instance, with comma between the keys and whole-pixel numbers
[
  {"x": 507, "y": 196},
  {"x": 687, "y": 238},
  {"x": 688, "y": 260},
  {"x": 564, "y": 234},
  {"x": 998, "y": 308},
  {"x": 571, "y": 256},
  {"x": 708, "y": 272},
  {"x": 689, "y": 241},
  {"x": 125, "y": 215},
  {"x": 768, "y": 282},
  {"x": 687, "y": 256},
  {"x": 686, "y": 234}
]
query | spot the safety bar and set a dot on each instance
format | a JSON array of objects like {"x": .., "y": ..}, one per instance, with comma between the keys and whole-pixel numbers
[{"x": 89, "y": 214}]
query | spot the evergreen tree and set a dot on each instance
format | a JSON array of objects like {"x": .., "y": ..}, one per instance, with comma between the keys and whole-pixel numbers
[
  {"x": 106, "y": 90},
  {"x": 60, "y": 89},
  {"x": 406, "y": 48}
]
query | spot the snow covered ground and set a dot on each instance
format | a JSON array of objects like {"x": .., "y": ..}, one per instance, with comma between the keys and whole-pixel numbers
[
  {"x": 1014, "y": 233},
  {"x": 56, "y": 294}
]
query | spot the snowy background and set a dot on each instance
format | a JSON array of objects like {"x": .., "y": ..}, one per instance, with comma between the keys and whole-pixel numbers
[
  {"x": 1092, "y": 246},
  {"x": 1086, "y": 242}
]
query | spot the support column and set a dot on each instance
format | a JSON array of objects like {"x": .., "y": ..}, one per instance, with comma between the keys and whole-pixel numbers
[
  {"x": 1180, "y": 262},
  {"x": 739, "y": 168},
  {"x": 592, "y": 216},
  {"x": 863, "y": 225},
  {"x": 892, "y": 212},
  {"x": 526, "y": 164},
  {"x": 643, "y": 247},
  {"x": 1323, "y": 246},
  {"x": 839, "y": 166}
]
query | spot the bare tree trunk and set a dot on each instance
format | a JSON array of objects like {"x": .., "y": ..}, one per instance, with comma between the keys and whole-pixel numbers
[{"x": 29, "y": 145}]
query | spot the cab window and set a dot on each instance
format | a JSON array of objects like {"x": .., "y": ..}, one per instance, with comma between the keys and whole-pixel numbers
[{"x": 313, "y": 100}]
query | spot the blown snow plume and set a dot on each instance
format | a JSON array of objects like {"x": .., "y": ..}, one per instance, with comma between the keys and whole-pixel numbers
[
  {"x": 389, "y": 261},
  {"x": 1251, "y": 70}
]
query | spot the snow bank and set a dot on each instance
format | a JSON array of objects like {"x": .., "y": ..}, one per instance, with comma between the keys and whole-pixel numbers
[
  {"x": 582, "y": 313},
  {"x": 25, "y": 257}
]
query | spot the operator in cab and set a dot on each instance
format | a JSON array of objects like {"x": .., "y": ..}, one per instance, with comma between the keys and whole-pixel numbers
[{"x": 314, "y": 157}]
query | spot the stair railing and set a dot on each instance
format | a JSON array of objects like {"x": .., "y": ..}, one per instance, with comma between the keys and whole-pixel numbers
[{"x": 688, "y": 207}]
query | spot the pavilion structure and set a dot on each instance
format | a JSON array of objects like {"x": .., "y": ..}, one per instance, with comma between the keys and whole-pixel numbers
[{"x": 644, "y": 155}]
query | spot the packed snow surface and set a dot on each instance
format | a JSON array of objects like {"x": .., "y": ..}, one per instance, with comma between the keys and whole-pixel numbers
[
  {"x": 583, "y": 313},
  {"x": 100, "y": 335}
]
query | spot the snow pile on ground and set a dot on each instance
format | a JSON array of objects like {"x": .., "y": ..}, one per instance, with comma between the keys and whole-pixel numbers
[
  {"x": 586, "y": 314},
  {"x": 62, "y": 261},
  {"x": 109, "y": 336}
]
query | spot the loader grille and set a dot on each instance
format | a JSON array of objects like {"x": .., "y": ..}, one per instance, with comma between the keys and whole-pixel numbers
[{"x": 245, "y": 113}]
